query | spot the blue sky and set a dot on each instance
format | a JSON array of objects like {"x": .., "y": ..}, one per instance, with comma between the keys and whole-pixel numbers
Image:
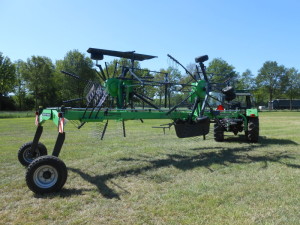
[{"x": 244, "y": 33}]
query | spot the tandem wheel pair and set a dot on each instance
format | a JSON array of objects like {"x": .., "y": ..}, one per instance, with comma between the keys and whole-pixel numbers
[{"x": 45, "y": 173}]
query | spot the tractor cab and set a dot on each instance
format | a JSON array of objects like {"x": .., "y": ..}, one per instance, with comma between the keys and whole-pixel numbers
[{"x": 243, "y": 100}]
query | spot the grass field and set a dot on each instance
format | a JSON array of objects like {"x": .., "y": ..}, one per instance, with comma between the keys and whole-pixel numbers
[
  {"x": 16, "y": 114},
  {"x": 151, "y": 178}
]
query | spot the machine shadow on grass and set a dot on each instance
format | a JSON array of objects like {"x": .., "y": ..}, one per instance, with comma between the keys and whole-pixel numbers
[{"x": 214, "y": 155}]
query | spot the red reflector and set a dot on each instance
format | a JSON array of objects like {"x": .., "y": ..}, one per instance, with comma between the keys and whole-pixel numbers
[
  {"x": 252, "y": 115},
  {"x": 220, "y": 107}
]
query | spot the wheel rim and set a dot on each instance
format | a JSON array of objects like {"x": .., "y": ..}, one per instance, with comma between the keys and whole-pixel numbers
[
  {"x": 28, "y": 156},
  {"x": 45, "y": 176}
]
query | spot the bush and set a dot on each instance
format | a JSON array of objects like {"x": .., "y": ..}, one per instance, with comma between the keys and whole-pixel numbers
[{"x": 7, "y": 103}]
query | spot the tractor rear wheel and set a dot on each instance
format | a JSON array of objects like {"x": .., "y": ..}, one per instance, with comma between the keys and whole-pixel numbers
[
  {"x": 46, "y": 174},
  {"x": 253, "y": 129},
  {"x": 25, "y": 155},
  {"x": 218, "y": 132}
]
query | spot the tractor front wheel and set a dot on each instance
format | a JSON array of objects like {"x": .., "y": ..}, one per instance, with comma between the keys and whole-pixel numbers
[
  {"x": 25, "y": 155},
  {"x": 218, "y": 132},
  {"x": 46, "y": 174},
  {"x": 253, "y": 129}
]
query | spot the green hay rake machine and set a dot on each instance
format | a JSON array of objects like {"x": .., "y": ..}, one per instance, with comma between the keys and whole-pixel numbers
[{"x": 115, "y": 98}]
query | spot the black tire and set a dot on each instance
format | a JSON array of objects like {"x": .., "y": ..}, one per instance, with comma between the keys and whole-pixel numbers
[
  {"x": 26, "y": 157},
  {"x": 253, "y": 130},
  {"x": 46, "y": 174},
  {"x": 218, "y": 133}
]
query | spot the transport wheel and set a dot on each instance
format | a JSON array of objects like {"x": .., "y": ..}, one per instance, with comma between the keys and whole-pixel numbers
[
  {"x": 253, "y": 129},
  {"x": 46, "y": 174},
  {"x": 26, "y": 157},
  {"x": 218, "y": 133}
]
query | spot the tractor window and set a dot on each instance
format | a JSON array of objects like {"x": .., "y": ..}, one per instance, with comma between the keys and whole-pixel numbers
[
  {"x": 244, "y": 101},
  {"x": 215, "y": 99}
]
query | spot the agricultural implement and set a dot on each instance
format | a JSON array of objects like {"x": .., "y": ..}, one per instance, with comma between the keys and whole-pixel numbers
[{"x": 124, "y": 97}]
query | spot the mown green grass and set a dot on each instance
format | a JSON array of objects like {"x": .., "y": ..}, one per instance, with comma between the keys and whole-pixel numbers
[
  {"x": 16, "y": 114},
  {"x": 151, "y": 178}
]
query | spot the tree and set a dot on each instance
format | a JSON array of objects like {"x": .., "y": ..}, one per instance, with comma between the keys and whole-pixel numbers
[
  {"x": 173, "y": 76},
  {"x": 76, "y": 63},
  {"x": 260, "y": 95},
  {"x": 37, "y": 72},
  {"x": 115, "y": 67},
  {"x": 271, "y": 77},
  {"x": 20, "y": 89},
  {"x": 219, "y": 70},
  {"x": 7, "y": 75},
  {"x": 186, "y": 78},
  {"x": 246, "y": 81},
  {"x": 292, "y": 88}
]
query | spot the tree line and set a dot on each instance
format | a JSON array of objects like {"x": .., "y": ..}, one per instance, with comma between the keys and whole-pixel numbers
[{"x": 25, "y": 85}]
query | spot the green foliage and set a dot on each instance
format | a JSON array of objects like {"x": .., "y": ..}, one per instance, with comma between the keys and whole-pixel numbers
[
  {"x": 246, "y": 81},
  {"x": 272, "y": 77},
  {"x": 170, "y": 75},
  {"x": 38, "y": 73},
  {"x": 7, "y": 75},
  {"x": 292, "y": 86},
  {"x": 7, "y": 103},
  {"x": 261, "y": 98},
  {"x": 116, "y": 67},
  {"x": 219, "y": 70},
  {"x": 20, "y": 89},
  {"x": 38, "y": 82},
  {"x": 76, "y": 63}
]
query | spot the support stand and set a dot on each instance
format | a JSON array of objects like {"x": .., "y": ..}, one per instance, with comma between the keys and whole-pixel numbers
[
  {"x": 36, "y": 139},
  {"x": 58, "y": 144}
]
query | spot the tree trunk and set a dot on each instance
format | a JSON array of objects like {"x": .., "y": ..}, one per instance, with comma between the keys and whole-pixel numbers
[
  {"x": 160, "y": 98},
  {"x": 36, "y": 100},
  {"x": 270, "y": 99}
]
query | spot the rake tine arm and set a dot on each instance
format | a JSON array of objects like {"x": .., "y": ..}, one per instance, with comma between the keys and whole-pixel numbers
[
  {"x": 193, "y": 110},
  {"x": 133, "y": 74},
  {"x": 72, "y": 100},
  {"x": 106, "y": 68},
  {"x": 72, "y": 75},
  {"x": 144, "y": 96},
  {"x": 188, "y": 72},
  {"x": 176, "y": 106},
  {"x": 145, "y": 100},
  {"x": 100, "y": 75},
  {"x": 101, "y": 70}
]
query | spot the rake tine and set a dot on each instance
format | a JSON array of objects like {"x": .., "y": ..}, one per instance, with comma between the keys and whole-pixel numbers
[
  {"x": 115, "y": 69},
  {"x": 106, "y": 68},
  {"x": 101, "y": 70},
  {"x": 104, "y": 130},
  {"x": 123, "y": 125},
  {"x": 145, "y": 100},
  {"x": 100, "y": 75},
  {"x": 176, "y": 106}
]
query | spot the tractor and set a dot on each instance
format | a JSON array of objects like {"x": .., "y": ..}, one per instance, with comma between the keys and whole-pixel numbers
[{"x": 236, "y": 114}]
